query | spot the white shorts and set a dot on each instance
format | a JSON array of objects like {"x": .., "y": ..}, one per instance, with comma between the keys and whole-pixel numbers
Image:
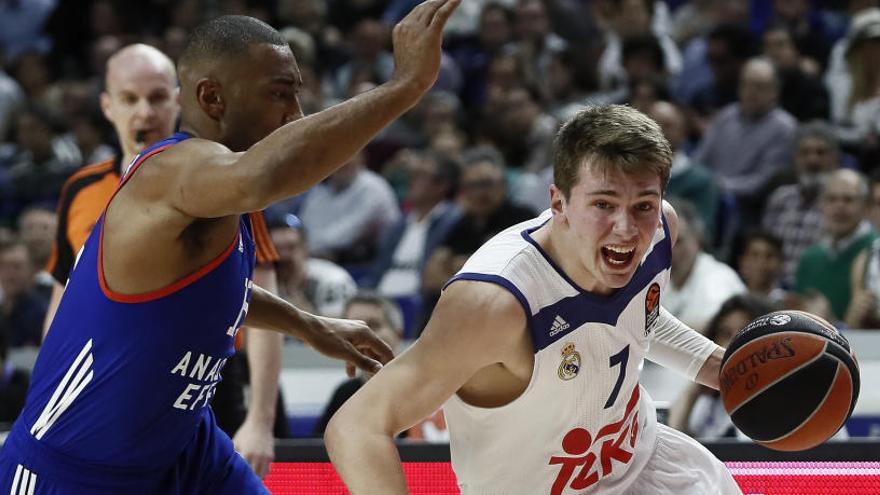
[{"x": 681, "y": 466}]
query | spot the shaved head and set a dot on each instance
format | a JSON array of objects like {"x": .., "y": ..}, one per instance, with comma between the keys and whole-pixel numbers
[
  {"x": 138, "y": 60},
  {"x": 227, "y": 37},
  {"x": 140, "y": 97}
]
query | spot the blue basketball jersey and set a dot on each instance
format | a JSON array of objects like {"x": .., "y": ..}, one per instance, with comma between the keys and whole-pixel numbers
[{"x": 123, "y": 381}]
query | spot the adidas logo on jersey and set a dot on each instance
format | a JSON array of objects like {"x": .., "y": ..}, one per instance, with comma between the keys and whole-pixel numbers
[{"x": 559, "y": 325}]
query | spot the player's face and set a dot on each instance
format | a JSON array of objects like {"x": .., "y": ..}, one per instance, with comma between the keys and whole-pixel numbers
[
  {"x": 141, "y": 103},
  {"x": 611, "y": 219},
  {"x": 263, "y": 96}
]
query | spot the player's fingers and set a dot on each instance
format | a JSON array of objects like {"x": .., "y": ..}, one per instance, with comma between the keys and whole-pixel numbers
[
  {"x": 424, "y": 12},
  {"x": 260, "y": 466},
  {"x": 376, "y": 346},
  {"x": 441, "y": 15},
  {"x": 361, "y": 360}
]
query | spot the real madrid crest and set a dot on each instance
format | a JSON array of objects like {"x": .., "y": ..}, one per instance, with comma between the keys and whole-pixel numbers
[{"x": 571, "y": 362}]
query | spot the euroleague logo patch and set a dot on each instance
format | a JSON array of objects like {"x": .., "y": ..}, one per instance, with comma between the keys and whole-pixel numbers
[{"x": 652, "y": 307}]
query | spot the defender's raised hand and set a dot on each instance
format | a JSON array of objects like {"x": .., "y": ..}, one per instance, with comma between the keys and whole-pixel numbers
[
  {"x": 417, "y": 41},
  {"x": 351, "y": 341}
]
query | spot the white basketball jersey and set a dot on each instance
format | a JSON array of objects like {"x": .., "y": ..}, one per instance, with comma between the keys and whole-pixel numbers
[{"x": 583, "y": 424}]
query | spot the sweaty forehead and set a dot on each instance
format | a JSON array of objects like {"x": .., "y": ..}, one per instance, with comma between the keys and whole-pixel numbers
[{"x": 596, "y": 177}]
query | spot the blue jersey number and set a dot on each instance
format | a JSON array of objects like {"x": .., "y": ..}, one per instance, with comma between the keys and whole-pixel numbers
[{"x": 620, "y": 358}]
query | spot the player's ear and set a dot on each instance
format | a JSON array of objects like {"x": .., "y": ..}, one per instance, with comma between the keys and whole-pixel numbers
[
  {"x": 210, "y": 98},
  {"x": 557, "y": 201}
]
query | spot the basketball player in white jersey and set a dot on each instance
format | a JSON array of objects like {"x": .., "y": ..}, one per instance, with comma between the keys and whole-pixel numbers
[{"x": 537, "y": 344}]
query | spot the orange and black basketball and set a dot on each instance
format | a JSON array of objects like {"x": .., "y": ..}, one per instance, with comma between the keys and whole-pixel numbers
[{"x": 789, "y": 380}]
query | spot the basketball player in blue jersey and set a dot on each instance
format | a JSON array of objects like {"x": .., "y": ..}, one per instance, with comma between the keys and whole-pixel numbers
[
  {"x": 536, "y": 346},
  {"x": 119, "y": 395}
]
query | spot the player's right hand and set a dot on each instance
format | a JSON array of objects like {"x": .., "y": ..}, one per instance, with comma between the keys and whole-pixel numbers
[
  {"x": 417, "y": 40},
  {"x": 351, "y": 341}
]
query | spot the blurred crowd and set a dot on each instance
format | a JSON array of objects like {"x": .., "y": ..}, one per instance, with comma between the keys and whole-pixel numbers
[{"x": 772, "y": 108}]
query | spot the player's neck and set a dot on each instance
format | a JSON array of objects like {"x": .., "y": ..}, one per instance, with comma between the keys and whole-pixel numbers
[{"x": 565, "y": 254}]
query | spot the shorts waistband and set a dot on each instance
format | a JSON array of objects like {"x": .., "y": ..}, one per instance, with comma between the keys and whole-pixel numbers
[{"x": 38, "y": 457}]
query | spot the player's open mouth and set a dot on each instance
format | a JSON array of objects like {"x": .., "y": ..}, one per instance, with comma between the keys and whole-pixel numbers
[{"x": 618, "y": 256}]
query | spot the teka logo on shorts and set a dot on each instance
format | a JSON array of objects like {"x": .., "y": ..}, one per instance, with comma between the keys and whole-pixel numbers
[
  {"x": 571, "y": 362},
  {"x": 652, "y": 307},
  {"x": 779, "y": 320}
]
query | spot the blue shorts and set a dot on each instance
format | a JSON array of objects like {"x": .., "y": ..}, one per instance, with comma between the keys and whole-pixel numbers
[{"x": 208, "y": 464}]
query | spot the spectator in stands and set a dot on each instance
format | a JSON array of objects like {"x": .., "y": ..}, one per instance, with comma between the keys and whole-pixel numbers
[
  {"x": 384, "y": 318},
  {"x": 12, "y": 99},
  {"x": 626, "y": 19},
  {"x": 688, "y": 179},
  {"x": 486, "y": 209},
  {"x": 368, "y": 40},
  {"x": 699, "y": 411},
  {"x": 710, "y": 76},
  {"x": 699, "y": 283},
  {"x": 792, "y": 211},
  {"x": 433, "y": 181},
  {"x": 312, "y": 284},
  {"x": 864, "y": 308},
  {"x": 23, "y": 308},
  {"x": 749, "y": 141},
  {"x": 827, "y": 265},
  {"x": 13, "y": 387},
  {"x": 36, "y": 228},
  {"x": 801, "y": 91},
  {"x": 852, "y": 75},
  {"x": 760, "y": 266},
  {"x": 347, "y": 214},
  {"x": 874, "y": 214},
  {"x": 535, "y": 39},
  {"x": 43, "y": 160}
]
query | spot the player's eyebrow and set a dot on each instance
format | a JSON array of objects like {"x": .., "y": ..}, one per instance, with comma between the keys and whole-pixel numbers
[
  {"x": 287, "y": 81},
  {"x": 611, "y": 192}
]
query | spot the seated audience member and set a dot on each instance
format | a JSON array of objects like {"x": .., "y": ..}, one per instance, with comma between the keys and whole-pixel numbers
[
  {"x": 13, "y": 387},
  {"x": 384, "y": 318},
  {"x": 699, "y": 411},
  {"x": 749, "y": 141},
  {"x": 792, "y": 212},
  {"x": 347, "y": 213},
  {"x": 36, "y": 228},
  {"x": 312, "y": 284},
  {"x": 688, "y": 179},
  {"x": 827, "y": 265},
  {"x": 699, "y": 283},
  {"x": 864, "y": 308},
  {"x": 22, "y": 307},
  {"x": 760, "y": 266},
  {"x": 801, "y": 91},
  {"x": 486, "y": 209},
  {"x": 431, "y": 183}
]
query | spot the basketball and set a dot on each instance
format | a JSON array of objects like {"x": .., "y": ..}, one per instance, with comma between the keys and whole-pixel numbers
[{"x": 789, "y": 380}]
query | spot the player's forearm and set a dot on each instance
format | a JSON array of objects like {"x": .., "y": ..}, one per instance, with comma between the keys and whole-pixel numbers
[
  {"x": 264, "y": 359},
  {"x": 367, "y": 462},
  {"x": 302, "y": 153},
  {"x": 270, "y": 312},
  {"x": 709, "y": 374}
]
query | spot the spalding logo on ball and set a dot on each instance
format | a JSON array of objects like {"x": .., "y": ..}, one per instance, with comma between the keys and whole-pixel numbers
[{"x": 789, "y": 380}]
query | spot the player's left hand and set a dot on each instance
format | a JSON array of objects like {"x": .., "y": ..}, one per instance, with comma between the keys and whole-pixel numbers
[
  {"x": 254, "y": 441},
  {"x": 349, "y": 340}
]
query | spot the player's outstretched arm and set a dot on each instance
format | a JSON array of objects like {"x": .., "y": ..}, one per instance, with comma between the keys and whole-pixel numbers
[
  {"x": 206, "y": 180},
  {"x": 348, "y": 340},
  {"x": 474, "y": 325}
]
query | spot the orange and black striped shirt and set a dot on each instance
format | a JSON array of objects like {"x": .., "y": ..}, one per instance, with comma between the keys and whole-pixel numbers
[{"x": 83, "y": 198}]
